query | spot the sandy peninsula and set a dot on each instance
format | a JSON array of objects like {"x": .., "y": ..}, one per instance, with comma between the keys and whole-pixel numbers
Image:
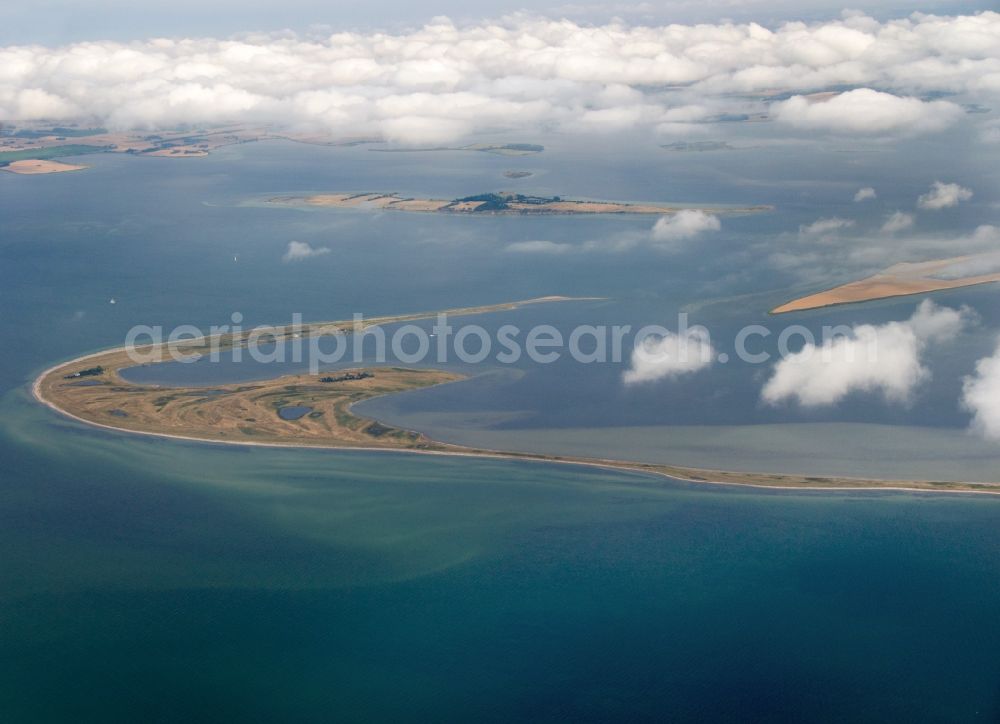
[
  {"x": 899, "y": 280},
  {"x": 91, "y": 389},
  {"x": 245, "y": 412},
  {"x": 498, "y": 203},
  {"x": 34, "y": 166}
]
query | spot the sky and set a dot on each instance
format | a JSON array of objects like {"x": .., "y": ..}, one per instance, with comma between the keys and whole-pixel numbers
[
  {"x": 445, "y": 81},
  {"x": 54, "y": 22}
]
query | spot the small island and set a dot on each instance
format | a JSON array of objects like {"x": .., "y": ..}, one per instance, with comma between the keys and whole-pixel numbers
[
  {"x": 39, "y": 166},
  {"x": 495, "y": 203}
]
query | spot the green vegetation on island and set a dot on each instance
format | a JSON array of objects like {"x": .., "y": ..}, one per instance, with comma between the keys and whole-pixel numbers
[
  {"x": 502, "y": 201},
  {"x": 89, "y": 372},
  {"x": 43, "y": 154},
  {"x": 59, "y": 131}
]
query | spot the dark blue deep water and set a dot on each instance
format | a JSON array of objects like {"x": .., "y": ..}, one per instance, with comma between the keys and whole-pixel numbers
[{"x": 157, "y": 580}]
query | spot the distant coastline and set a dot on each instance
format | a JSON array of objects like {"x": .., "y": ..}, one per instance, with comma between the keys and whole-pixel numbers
[{"x": 32, "y": 144}]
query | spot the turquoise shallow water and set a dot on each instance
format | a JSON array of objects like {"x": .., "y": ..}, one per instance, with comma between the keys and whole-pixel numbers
[
  {"x": 183, "y": 579},
  {"x": 157, "y": 580}
]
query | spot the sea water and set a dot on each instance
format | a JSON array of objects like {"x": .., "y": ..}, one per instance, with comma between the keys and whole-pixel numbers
[{"x": 150, "y": 578}]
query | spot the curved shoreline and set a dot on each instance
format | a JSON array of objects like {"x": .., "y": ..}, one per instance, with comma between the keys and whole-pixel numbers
[{"x": 682, "y": 474}]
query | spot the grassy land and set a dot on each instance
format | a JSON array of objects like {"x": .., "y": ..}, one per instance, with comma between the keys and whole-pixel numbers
[
  {"x": 58, "y": 131},
  {"x": 244, "y": 412},
  {"x": 44, "y": 154}
]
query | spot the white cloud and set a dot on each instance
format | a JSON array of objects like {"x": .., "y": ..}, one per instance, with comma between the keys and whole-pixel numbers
[
  {"x": 868, "y": 358},
  {"x": 685, "y": 224},
  {"x": 867, "y": 111},
  {"x": 865, "y": 254},
  {"x": 667, "y": 235},
  {"x": 943, "y": 196},
  {"x": 981, "y": 396},
  {"x": 423, "y": 129},
  {"x": 971, "y": 265},
  {"x": 932, "y": 323},
  {"x": 990, "y": 131},
  {"x": 687, "y": 114},
  {"x": 39, "y": 103},
  {"x": 822, "y": 227},
  {"x": 437, "y": 82},
  {"x": 864, "y": 194},
  {"x": 299, "y": 250},
  {"x": 669, "y": 355},
  {"x": 897, "y": 221},
  {"x": 538, "y": 247}
]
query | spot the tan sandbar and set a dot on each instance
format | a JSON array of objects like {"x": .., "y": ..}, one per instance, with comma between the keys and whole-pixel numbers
[
  {"x": 897, "y": 281},
  {"x": 33, "y": 166}
]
